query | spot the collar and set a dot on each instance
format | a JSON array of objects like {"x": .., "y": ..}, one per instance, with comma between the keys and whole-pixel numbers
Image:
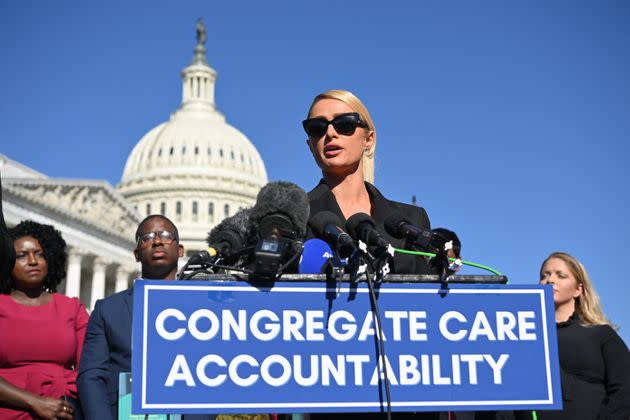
[
  {"x": 572, "y": 319},
  {"x": 322, "y": 198}
]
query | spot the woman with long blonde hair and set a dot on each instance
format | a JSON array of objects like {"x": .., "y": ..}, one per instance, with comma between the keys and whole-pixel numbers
[
  {"x": 594, "y": 360},
  {"x": 342, "y": 139}
]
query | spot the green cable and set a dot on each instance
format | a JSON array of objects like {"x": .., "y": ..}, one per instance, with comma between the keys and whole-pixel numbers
[
  {"x": 429, "y": 254},
  {"x": 534, "y": 415}
]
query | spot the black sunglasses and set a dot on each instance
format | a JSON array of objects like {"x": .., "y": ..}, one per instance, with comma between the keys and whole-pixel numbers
[{"x": 344, "y": 124}]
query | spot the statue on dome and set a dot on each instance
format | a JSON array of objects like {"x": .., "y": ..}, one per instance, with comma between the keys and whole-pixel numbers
[{"x": 201, "y": 32}]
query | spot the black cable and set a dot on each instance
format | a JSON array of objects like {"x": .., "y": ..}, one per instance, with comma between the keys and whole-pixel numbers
[
  {"x": 213, "y": 265},
  {"x": 290, "y": 261},
  {"x": 381, "y": 343}
]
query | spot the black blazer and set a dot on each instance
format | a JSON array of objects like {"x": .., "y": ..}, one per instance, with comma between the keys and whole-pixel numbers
[{"x": 322, "y": 199}]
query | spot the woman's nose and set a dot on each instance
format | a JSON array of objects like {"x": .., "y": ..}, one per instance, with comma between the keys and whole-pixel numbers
[
  {"x": 32, "y": 259},
  {"x": 330, "y": 131}
]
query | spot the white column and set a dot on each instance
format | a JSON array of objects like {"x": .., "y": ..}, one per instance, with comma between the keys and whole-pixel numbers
[
  {"x": 184, "y": 90},
  {"x": 211, "y": 90},
  {"x": 122, "y": 279},
  {"x": 195, "y": 87},
  {"x": 98, "y": 281},
  {"x": 73, "y": 277}
]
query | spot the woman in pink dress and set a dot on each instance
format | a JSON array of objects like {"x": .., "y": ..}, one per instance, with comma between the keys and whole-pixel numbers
[{"x": 41, "y": 331}]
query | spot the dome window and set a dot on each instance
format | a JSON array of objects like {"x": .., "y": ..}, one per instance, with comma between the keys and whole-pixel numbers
[
  {"x": 221, "y": 152},
  {"x": 148, "y": 209},
  {"x": 162, "y": 208},
  {"x": 160, "y": 153},
  {"x": 209, "y": 151},
  {"x": 172, "y": 151},
  {"x": 226, "y": 210},
  {"x": 242, "y": 158},
  {"x": 183, "y": 150},
  {"x": 195, "y": 211},
  {"x": 211, "y": 212},
  {"x": 232, "y": 155},
  {"x": 196, "y": 150},
  {"x": 178, "y": 211}
]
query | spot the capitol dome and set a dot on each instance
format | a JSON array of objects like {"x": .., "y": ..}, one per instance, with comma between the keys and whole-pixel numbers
[{"x": 195, "y": 168}]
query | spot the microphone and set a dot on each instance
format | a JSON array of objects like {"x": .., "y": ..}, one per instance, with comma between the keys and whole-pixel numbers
[
  {"x": 228, "y": 238},
  {"x": 282, "y": 209},
  {"x": 199, "y": 258},
  {"x": 278, "y": 223},
  {"x": 399, "y": 227},
  {"x": 363, "y": 228},
  {"x": 315, "y": 257},
  {"x": 325, "y": 225}
]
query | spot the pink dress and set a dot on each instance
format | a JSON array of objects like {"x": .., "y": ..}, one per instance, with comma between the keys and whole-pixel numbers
[{"x": 40, "y": 347}]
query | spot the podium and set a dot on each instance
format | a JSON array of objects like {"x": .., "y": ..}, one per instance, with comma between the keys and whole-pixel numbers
[
  {"x": 307, "y": 343},
  {"x": 390, "y": 278}
]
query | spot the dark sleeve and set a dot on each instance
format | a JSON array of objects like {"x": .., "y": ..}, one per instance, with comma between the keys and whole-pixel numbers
[
  {"x": 617, "y": 365},
  {"x": 93, "y": 369}
]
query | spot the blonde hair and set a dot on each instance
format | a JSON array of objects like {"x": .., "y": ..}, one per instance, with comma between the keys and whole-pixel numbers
[
  {"x": 357, "y": 106},
  {"x": 587, "y": 306}
]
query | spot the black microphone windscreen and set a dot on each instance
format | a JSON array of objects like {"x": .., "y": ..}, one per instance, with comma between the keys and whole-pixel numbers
[
  {"x": 356, "y": 220},
  {"x": 322, "y": 219},
  {"x": 233, "y": 229},
  {"x": 392, "y": 225},
  {"x": 284, "y": 198}
]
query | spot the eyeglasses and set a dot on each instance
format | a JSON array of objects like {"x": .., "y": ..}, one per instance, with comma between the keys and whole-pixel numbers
[
  {"x": 165, "y": 236},
  {"x": 344, "y": 124}
]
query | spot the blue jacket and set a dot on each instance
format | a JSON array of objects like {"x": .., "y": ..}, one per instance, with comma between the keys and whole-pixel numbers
[{"x": 106, "y": 353}]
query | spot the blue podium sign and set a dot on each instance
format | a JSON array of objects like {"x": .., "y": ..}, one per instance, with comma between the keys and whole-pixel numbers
[{"x": 227, "y": 347}]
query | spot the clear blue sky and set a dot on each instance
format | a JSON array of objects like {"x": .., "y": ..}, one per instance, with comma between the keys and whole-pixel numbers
[{"x": 510, "y": 121}]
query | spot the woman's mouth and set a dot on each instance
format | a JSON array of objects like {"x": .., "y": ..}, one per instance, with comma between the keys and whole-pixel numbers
[{"x": 332, "y": 151}]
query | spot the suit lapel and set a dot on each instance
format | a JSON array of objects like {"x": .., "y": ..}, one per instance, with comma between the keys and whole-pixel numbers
[{"x": 322, "y": 199}]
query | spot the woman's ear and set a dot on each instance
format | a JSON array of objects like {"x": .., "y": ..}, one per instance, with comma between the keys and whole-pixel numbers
[
  {"x": 578, "y": 291},
  {"x": 369, "y": 140}
]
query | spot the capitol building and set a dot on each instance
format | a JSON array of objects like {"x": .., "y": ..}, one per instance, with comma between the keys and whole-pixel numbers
[{"x": 194, "y": 168}]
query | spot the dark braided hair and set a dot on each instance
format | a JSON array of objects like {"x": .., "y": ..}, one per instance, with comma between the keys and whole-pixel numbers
[{"x": 54, "y": 248}]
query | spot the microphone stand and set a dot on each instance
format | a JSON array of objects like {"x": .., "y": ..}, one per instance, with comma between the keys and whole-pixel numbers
[{"x": 381, "y": 267}]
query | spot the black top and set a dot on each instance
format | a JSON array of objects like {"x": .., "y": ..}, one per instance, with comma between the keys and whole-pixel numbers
[
  {"x": 321, "y": 198},
  {"x": 595, "y": 373}
]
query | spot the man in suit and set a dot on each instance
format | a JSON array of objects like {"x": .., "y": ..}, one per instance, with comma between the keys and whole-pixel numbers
[{"x": 107, "y": 346}]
